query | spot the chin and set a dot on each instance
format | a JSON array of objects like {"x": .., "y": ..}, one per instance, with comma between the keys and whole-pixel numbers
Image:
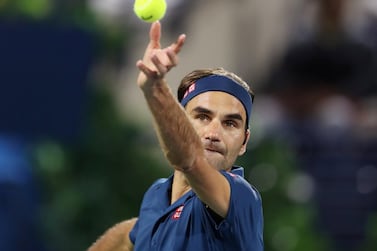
[{"x": 216, "y": 162}]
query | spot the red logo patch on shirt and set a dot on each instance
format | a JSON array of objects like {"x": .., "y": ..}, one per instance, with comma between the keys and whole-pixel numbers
[{"x": 177, "y": 213}]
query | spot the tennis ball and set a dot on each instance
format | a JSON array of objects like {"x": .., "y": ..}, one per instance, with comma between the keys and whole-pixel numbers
[{"x": 150, "y": 10}]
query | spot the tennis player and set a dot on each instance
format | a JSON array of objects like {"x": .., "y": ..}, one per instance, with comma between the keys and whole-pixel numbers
[{"x": 206, "y": 204}]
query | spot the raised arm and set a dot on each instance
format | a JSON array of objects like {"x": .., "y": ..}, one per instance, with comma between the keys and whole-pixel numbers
[
  {"x": 166, "y": 111},
  {"x": 178, "y": 138}
]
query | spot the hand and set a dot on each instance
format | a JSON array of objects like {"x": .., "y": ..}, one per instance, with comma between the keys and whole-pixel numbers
[{"x": 157, "y": 61}]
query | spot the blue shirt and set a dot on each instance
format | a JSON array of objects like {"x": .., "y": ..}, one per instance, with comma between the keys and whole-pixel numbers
[{"x": 188, "y": 225}]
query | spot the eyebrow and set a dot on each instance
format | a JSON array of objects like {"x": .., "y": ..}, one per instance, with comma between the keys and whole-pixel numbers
[
  {"x": 235, "y": 116},
  {"x": 200, "y": 109}
]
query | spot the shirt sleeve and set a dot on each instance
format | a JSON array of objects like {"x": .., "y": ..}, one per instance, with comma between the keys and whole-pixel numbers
[
  {"x": 244, "y": 221},
  {"x": 145, "y": 202},
  {"x": 133, "y": 232}
]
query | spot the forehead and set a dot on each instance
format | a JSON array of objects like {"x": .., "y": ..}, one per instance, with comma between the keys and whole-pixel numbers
[{"x": 217, "y": 101}]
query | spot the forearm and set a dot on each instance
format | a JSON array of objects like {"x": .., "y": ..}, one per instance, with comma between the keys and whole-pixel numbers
[
  {"x": 116, "y": 238},
  {"x": 177, "y": 136}
]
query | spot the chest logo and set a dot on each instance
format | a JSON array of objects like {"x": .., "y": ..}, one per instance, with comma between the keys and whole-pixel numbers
[{"x": 177, "y": 213}]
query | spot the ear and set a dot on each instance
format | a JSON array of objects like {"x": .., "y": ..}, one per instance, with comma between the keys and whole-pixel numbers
[{"x": 244, "y": 144}]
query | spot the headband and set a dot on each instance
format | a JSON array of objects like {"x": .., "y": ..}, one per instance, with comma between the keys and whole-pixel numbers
[{"x": 222, "y": 84}]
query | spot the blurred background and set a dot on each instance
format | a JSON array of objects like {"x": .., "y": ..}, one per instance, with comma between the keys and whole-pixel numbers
[{"x": 77, "y": 148}]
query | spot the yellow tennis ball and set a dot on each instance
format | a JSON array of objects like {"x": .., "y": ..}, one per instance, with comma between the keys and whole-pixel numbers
[{"x": 150, "y": 10}]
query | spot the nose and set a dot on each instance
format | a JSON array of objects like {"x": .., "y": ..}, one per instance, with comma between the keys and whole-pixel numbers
[{"x": 213, "y": 131}]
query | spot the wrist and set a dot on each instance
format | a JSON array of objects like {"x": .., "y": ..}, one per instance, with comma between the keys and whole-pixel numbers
[{"x": 157, "y": 88}]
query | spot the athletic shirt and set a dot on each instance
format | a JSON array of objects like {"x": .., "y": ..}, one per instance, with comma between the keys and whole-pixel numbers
[{"x": 189, "y": 225}]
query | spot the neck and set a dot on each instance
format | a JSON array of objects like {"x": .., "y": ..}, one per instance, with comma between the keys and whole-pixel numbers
[{"x": 180, "y": 186}]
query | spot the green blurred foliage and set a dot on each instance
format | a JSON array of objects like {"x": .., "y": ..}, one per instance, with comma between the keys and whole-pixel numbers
[
  {"x": 90, "y": 186},
  {"x": 289, "y": 224},
  {"x": 371, "y": 238},
  {"x": 35, "y": 9}
]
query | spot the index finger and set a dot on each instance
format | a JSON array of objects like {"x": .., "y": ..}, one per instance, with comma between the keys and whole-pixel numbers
[
  {"x": 176, "y": 47},
  {"x": 155, "y": 34}
]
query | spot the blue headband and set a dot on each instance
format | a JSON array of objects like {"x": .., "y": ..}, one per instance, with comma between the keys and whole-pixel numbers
[{"x": 219, "y": 83}]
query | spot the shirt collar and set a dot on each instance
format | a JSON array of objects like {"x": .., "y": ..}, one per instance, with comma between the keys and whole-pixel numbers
[{"x": 238, "y": 170}]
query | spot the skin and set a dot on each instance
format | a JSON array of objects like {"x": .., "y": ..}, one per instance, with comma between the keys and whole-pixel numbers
[
  {"x": 198, "y": 142},
  {"x": 219, "y": 120},
  {"x": 116, "y": 238}
]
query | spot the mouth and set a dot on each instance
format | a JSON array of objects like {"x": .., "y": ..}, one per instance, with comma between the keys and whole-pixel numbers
[{"x": 212, "y": 150}]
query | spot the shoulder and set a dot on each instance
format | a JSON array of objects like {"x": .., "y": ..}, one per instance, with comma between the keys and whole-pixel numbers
[
  {"x": 158, "y": 183},
  {"x": 156, "y": 186},
  {"x": 241, "y": 187},
  {"x": 244, "y": 221},
  {"x": 155, "y": 193}
]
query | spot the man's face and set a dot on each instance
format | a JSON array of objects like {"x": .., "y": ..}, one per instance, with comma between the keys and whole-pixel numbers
[{"x": 219, "y": 119}]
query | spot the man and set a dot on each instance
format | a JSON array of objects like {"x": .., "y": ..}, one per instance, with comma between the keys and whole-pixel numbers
[{"x": 206, "y": 204}]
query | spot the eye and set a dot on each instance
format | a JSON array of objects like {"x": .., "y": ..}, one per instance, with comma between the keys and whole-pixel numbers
[
  {"x": 231, "y": 123},
  {"x": 202, "y": 117}
]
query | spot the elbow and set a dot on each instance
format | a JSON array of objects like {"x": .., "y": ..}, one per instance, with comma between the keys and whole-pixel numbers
[
  {"x": 185, "y": 162},
  {"x": 181, "y": 163}
]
